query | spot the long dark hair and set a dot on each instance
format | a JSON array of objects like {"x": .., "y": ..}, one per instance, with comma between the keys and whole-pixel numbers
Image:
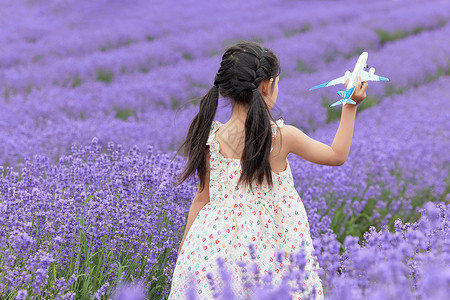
[{"x": 244, "y": 66}]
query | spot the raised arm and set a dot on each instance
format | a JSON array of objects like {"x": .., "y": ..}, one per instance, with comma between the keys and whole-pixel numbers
[{"x": 314, "y": 151}]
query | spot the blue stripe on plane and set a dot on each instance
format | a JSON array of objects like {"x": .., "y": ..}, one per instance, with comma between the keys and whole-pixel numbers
[
  {"x": 382, "y": 78},
  {"x": 320, "y": 86},
  {"x": 336, "y": 103},
  {"x": 348, "y": 93}
]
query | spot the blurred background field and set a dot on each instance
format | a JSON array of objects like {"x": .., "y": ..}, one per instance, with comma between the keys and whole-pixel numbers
[{"x": 97, "y": 96}]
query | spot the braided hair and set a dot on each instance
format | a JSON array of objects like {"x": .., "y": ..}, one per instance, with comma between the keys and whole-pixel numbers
[{"x": 244, "y": 66}]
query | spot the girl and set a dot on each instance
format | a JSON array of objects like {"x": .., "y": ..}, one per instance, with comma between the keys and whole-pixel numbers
[{"x": 246, "y": 192}]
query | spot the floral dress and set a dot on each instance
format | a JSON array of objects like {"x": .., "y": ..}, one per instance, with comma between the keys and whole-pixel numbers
[{"x": 237, "y": 216}]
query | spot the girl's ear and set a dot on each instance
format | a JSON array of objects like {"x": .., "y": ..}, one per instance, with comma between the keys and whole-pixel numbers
[{"x": 266, "y": 86}]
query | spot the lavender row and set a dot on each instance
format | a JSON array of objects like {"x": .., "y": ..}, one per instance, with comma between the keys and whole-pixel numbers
[
  {"x": 316, "y": 47},
  {"x": 115, "y": 31},
  {"x": 144, "y": 22}
]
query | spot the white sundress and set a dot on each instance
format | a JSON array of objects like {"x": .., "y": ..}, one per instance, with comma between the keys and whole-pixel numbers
[{"x": 237, "y": 216}]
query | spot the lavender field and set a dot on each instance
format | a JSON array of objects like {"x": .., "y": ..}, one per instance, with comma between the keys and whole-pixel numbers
[{"x": 96, "y": 96}]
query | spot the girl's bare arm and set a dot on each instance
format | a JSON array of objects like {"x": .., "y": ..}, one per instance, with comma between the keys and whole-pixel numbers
[{"x": 314, "y": 151}]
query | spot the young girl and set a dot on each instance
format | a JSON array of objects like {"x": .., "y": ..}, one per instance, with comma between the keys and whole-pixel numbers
[{"x": 246, "y": 192}]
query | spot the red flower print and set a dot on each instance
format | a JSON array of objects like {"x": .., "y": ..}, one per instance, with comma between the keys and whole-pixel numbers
[
  {"x": 211, "y": 236},
  {"x": 279, "y": 234},
  {"x": 217, "y": 241},
  {"x": 218, "y": 249},
  {"x": 205, "y": 247},
  {"x": 204, "y": 269}
]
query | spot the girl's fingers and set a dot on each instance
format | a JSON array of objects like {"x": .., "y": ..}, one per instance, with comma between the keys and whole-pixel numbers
[
  {"x": 364, "y": 87},
  {"x": 346, "y": 82}
]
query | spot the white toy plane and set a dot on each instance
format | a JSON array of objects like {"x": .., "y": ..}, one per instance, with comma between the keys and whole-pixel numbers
[{"x": 365, "y": 76}]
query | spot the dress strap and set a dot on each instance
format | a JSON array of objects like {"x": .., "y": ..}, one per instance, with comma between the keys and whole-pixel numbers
[
  {"x": 273, "y": 125},
  {"x": 211, "y": 142}
]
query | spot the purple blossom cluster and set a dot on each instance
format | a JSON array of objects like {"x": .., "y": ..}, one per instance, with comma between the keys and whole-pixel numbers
[
  {"x": 112, "y": 214},
  {"x": 85, "y": 87}
]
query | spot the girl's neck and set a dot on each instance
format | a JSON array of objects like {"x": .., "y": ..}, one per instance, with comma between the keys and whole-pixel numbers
[{"x": 239, "y": 113}]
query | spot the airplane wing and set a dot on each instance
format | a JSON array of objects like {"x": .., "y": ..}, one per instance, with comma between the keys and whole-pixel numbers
[
  {"x": 340, "y": 80},
  {"x": 366, "y": 76}
]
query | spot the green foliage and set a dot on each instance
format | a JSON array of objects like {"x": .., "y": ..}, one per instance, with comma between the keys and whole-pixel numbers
[
  {"x": 104, "y": 76},
  {"x": 392, "y": 90},
  {"x": 76, "y": 81},
  {"x": 294, "y": 31},
  {"x": 188, "y": 56},
  {"x": 386, "y": 36},
  {"x": 125, "y": 114},
  {"x": 302, "y": 68}
]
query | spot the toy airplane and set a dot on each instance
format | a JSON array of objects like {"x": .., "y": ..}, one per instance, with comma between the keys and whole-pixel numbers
[{"x": 365, "y": 76}]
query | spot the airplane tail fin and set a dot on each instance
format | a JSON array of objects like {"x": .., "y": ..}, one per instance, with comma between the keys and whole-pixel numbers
[
  {"x": 347, "y": 93},
  {"x": 342, "y": 101}
]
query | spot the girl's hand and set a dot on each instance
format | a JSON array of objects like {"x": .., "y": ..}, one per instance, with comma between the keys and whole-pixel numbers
[{"x": 360, "y": 90}]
